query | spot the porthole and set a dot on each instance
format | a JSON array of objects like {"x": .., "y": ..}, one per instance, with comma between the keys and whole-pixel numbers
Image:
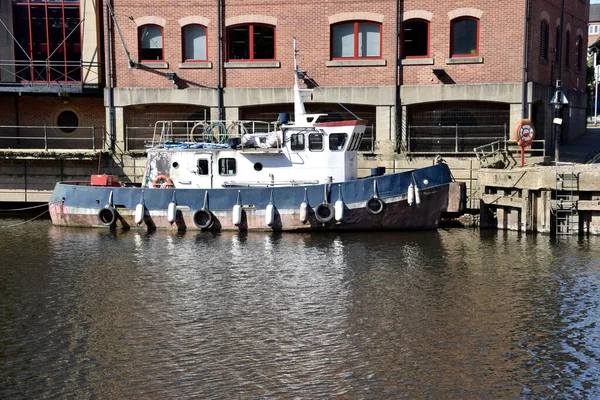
[
  {"x": 258, "y": 166},
  {"x": 67, "y": 121}
]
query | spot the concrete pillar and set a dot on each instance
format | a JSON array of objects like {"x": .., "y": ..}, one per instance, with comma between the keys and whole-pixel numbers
[
  {"x": 513, "y": 220},
  {"x": 384, "y": 134},
  {"x": 501, "y": 218},
  {"x": 542, "y": 224},
  {"x": 214, "y": 113},
  {"x": 231, "y": 113},
  {"x": 526, "y": 214},
  {"x": 515, "y": 117},
  {"x": 91, "y": 12},
  {"x": 120, "y": 130},
  {"x": 486, "y": 216}
]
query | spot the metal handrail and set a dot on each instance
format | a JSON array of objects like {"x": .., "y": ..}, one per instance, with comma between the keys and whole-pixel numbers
[
  {"x": 494, "y": 148},
  {"x": 50, "y": 72},
  {"x": 49, "y": 139}
]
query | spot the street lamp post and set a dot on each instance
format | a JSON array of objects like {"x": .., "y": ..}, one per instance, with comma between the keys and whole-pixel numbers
[
  {"x": 559, "y": 100},
  {"x": 594, "y": 54}
]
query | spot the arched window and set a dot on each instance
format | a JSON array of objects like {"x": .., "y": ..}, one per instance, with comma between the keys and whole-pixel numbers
[
  {"x": 544, "y": 37},
  {"x": 151, "y": 43},
  {"x": 194, "y": 43},
  {"x": 356, "y": 40},
  {"x": 464, "y": 37},
  {"x": 567, "y": 47},
  {"x": 251, "y": 42},
  {"x": 579, "y": 53},
  {"x": 415, "y": 38}
]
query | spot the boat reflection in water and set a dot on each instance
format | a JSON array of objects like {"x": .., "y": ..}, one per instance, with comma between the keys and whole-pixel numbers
[{"x": 443, "y": 314}]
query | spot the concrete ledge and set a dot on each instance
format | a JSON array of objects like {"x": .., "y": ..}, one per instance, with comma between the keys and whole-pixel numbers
[
  {"x": 356, "y": 63},
  {"x": 195, "y": 65},
  {"x": 501, "y": 200},
  {"x": 497, "y": 92},
  {"x": 588, "y": 205},
  {"x": 418, "y": 61},
  {"x": 152, "y": 65},
  {"x": 252, "y": 64},
  {"x": 464, "y": 60}
]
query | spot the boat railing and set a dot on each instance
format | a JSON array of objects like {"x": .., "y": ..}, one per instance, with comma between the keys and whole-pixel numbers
[{"x": 208, "y": 132}]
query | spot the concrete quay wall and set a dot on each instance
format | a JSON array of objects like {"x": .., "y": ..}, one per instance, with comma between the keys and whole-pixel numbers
[{"x": 541, "y": 198}]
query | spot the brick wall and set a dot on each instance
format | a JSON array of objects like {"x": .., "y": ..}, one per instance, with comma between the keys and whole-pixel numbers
[
  {"x": 575, "y": 20},
  {"x": 43, "y": 110},
  {"x": 500, "y": 44},
  {"x": 7, "y": 110}
]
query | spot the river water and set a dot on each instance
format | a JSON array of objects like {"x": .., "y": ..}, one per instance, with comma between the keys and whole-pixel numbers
[{"x": 455, "y": 313}]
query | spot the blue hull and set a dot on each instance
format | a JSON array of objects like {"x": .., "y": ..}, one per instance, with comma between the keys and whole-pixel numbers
[{"x": 74, "y": 204}]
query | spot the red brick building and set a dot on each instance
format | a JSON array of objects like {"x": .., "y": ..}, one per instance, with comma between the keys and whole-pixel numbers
[
  {"x": 457, "y": 82},
  {"x": 51, "y": 75}
]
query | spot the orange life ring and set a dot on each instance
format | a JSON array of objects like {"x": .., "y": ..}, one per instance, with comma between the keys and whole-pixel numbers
[
  {"x": 159, "y": 180},
  {"x": 524, "y": 133}
]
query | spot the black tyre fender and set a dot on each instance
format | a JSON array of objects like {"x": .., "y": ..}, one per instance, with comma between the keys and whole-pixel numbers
[
  {"x": 203, "y": 218},
  {"x": 374, "y": 205},
  {"x": 324, "y": 213},
  {"x": 107, "y": 216}
]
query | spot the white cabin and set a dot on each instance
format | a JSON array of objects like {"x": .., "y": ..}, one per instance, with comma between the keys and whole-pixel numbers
[{"x": 314, "y": 153}]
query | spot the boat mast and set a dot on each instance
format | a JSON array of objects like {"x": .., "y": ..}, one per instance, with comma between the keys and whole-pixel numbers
[{"x": 299, "y": 110}]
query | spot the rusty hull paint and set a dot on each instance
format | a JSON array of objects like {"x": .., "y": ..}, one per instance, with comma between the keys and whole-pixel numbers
[{"x": 397, "y": 215}]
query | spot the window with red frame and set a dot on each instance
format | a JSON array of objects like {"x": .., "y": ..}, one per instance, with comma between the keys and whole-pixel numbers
[
  {"x": 194, "y": 43},
  {"x": 464, "y": 37},
  {"x": 47, "y": 40},
  {"x": 251, "y": 42},
  {"x": 356, "y": 40},
  {"x": 415, "y": 38},
  {"x": 150, "y": 43}
]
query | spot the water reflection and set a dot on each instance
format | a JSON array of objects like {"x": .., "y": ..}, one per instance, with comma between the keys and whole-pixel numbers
[{"x": 448, "y": 314}]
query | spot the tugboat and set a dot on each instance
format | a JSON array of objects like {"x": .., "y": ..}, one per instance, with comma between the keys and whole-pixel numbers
[{"x": 298, "y": 175}]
